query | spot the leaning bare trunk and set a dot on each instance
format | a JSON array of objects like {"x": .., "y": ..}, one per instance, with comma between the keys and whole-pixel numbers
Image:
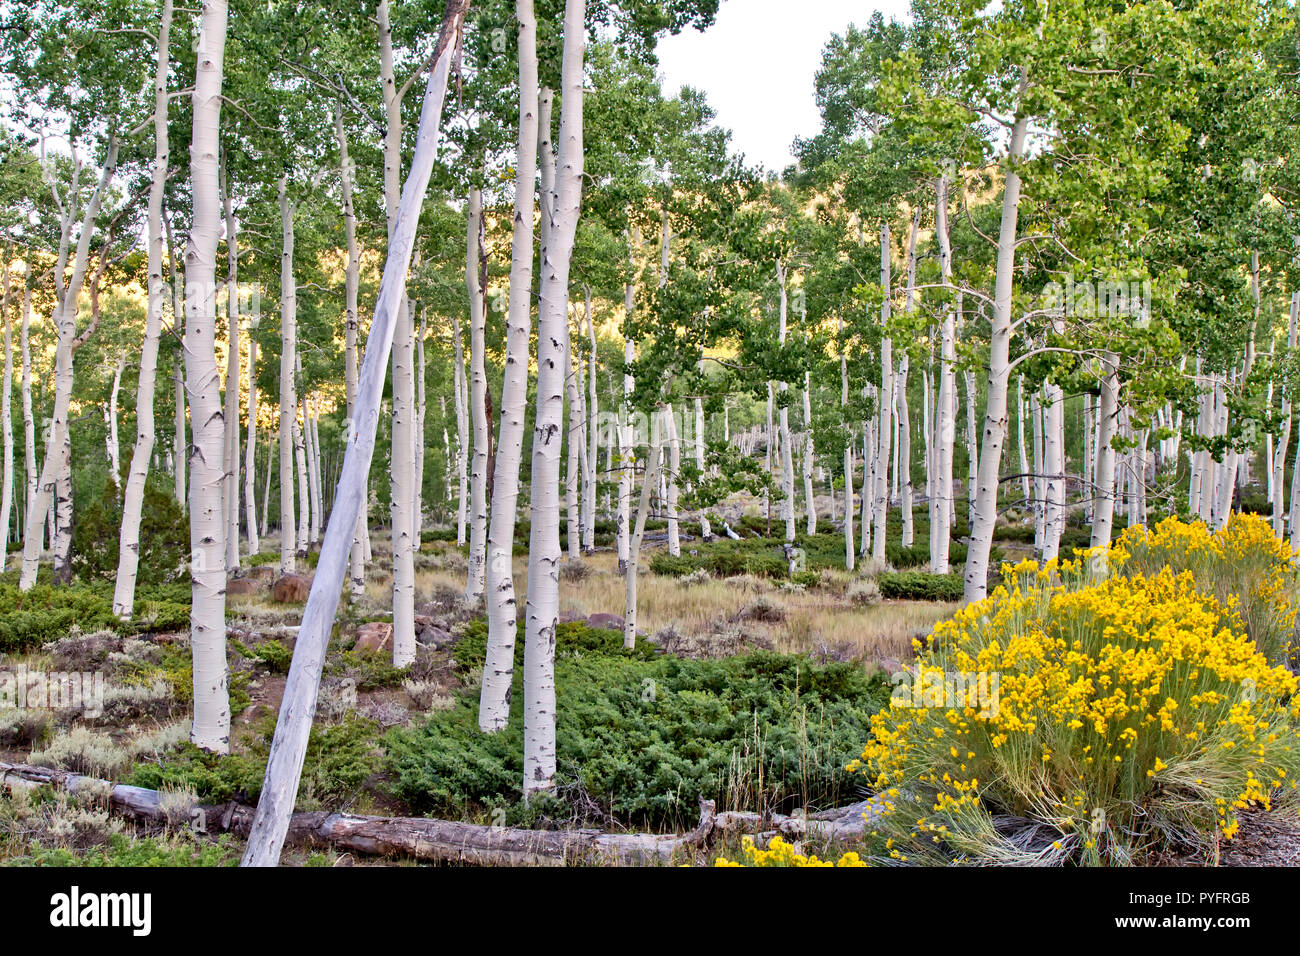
[{"x": 289, "y": 746}]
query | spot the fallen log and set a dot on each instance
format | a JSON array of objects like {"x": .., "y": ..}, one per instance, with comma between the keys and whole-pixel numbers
[{"x": 440, "y": 841}]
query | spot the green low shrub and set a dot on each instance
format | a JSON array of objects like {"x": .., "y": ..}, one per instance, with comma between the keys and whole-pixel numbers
[
  {"x": 920, "y": 586},
  {"x": 642, "y": 739}
]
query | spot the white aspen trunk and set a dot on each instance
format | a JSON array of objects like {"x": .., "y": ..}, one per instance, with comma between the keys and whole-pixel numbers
[
  {"x": 625, "y": 472},
  {"x": 313, "y": 469},
  {"x": 1088, "y": 468},
  {"x": 230, "y": 489},
  {"x": 995, "y": 414},
  {"x": 593, "y": 430},
  {"x": 849, "y": 555},
  {"x": 250, "y": 447},
  {"x": 671, "y": 492},
  {"x": 502, "y": 610},
  {"x": 402, "y": 465},
  {"x": 574, "y": 444},
  {"x": 941, "y": 513},
  {"x": 1038, "y": 498},
  {"x": 1054, "y": 465},
  {"x": 288, "y": 389},
  {"x": 808, "y": 455},
  {"x": 770, "y": 451},
  {"x": 904, "y": 420},
  {"x": 304, "y": 489},
  {"x": 179, "y": 438},
  {"x": 1108, "y": 426},
  {"x": 7, "y": 424},
  {"x": 787, "y": 448},
  {"x": 114, "y": 454},
  {"x": 462, "y": 436},
  {"x": 55, "y": 470},
  {"x": 1278, "y": 463},
  {"x": 417, "y": 512},
  {"x": 1025, "y": 476},
  {"x": 643, "y": 508},
  {"x": 544, "y": 555},
  {"x": 352, "y": 281},
  {"x": 266, "y": 491},
  {"x": 972, "y": 445},
  {"x": 868, "y": 484},
  {"x": 478, "y": 518},
  {"x": 880, "y": 511},
  {"x": 29, "y": 424},
  {"x": 211, "y": 727},
  {"x": 903, "y": 416},
  {"x": 706, "y": 530},
  {"x": 289, "y": 746}
]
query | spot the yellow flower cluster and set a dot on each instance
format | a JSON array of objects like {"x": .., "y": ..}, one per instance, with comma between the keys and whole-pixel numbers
[
  {"x": 1128, "y": 711},
  {"x": 1244, "y": 565},
  {"x": 781, "y": 853}
]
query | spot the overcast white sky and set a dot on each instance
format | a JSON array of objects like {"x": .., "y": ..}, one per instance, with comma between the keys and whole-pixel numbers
[{"x": 756, "y": 65}]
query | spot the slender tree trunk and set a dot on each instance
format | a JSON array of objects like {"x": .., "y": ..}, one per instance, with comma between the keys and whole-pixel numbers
[
  {"x": 544, "y": 540},
  {"x": 1284, "y": 435},
  {"x": 7, "y": 424},
  {"x": 625, "y": 431},
  {"x": 352, "y": 281},
  {"x": 502, "y": 610},
  {"x": 231, "y": 484},
  {"x": 995, "y": 414},
  {"x": 55, "y": 471},
  {"x": 250, "y": 448},
  {"x": 289, "y": 746},
  {"x": 29, "y": 424},
  {"x": 941, "y": 512},
  {"x": 211, "y": 728},
  {"x": 643, "y": 508},
  {"x": 1108, "y": 418},
  {"x": 111, "y": 440},
  {"x": 478, "y": 520},
  {"x": 593, "y": 432},
  {"x": 180, "y": 439},
  {"x": 402, "y": 465},
  {"x": 288, "y": 390},
  {"x": 462, "y": 435},
  {"x": 880, "y": 511}
]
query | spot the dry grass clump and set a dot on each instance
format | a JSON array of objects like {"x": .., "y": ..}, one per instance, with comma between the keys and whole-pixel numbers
[
  {"x": 864, "y": 592},
  {"x": 97, "y": 754}
]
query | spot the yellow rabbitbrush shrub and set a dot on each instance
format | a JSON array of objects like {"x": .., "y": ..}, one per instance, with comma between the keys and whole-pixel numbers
[
  {"x": 1128, "y": 717},
  {"x": 781, "y": 853},
  {"x": 1244, "y": 565}
]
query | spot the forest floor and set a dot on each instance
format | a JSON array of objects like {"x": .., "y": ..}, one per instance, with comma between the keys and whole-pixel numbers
[{"x": 141, "y": 737}]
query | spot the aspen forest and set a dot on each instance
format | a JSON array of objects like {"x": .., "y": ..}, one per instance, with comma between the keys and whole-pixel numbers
[{"x": 507, "y": 433}]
